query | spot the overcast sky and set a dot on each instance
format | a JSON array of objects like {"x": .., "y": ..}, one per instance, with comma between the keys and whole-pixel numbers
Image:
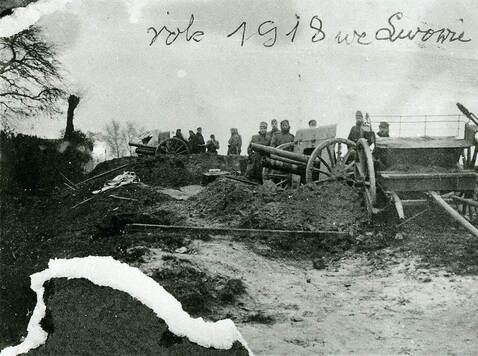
[{"x": 217, "y": 84}]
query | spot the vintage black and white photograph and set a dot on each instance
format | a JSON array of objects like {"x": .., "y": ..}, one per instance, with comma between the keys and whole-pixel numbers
[{"x": 238, "y": 177}]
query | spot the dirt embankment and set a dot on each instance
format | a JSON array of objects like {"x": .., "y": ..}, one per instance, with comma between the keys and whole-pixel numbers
[
  {"x": 172, "y": 171},
  {"x": 35, "y": 229},
  {"x": 331, "y": 206}
]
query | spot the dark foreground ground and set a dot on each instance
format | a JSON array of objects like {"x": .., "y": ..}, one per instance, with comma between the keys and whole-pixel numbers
[{"x": 37, "y": 228}]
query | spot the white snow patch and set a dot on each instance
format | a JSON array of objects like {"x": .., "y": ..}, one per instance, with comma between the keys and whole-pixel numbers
[
  {"x": 23, "y": 17},
  {"x": 106, "y": 271}
]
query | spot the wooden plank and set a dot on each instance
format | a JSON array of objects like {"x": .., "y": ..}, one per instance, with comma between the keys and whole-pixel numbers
[
  {"x": 410, "y": 182},
  {"x": 436, "y": 175},
  {"x": 418, "y": 202},
  {"x": 453, "y": 213},
  {"x": 411, "y": 143}
]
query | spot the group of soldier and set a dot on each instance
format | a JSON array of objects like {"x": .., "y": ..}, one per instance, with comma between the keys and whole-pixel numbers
[
  {"x": 196, "y": 143},
  {"x": 363, "y": 129},
  {"x": 278, "y": 135}
]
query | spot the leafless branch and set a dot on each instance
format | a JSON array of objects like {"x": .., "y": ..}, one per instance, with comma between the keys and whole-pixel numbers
[{"x": 30, "y": 76}]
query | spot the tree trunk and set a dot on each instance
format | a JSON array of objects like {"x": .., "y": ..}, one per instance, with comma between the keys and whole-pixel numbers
[{"x": 73, "y": 102}]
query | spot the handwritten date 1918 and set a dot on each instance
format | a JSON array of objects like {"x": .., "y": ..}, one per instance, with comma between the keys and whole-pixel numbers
[{"x": 269, "y": 30}]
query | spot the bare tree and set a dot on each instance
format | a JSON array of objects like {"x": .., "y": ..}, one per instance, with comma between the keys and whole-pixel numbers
[
  {"x": 30, "y": 78},
  {"x": 73, "y": 102},
  {"x": 131, "y": 132},
  {"x": 114, "y": 138}
]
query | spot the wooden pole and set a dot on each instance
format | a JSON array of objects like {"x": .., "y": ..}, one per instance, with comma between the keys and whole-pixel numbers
[
  {"x": 224, "y": 230},
  {"x": 465, "y": 200},
  {"x": 105, "y": 173},
  {"x": 453, "y": 213},
  {"x": 68, "y": 181}
]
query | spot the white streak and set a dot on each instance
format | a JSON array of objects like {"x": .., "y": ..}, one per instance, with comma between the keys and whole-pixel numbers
[
  {"x": 105, "y": 271},
  {"x": 23, "y": 17}
]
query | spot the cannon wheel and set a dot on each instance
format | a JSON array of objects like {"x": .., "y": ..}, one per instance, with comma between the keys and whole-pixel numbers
[
  {"x": 328, "y": 163},
  {"x": 281, "y": 180},
  {"x": 365, "y": 172},
  {"x": 173, "y": 146}
]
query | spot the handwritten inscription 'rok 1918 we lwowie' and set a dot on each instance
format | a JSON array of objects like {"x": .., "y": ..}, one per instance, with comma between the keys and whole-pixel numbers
[{"x": 270, "y": 33}]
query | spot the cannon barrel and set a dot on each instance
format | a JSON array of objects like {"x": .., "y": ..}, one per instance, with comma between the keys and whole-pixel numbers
[
  {"x": 288, "y": 160},
  {"x": 283, "y": 166},
  {"x": 280, "y": 153},
  {"x": 146, "y": 147},
  {"x": 143, "y": 149},
  {"x": 146, "y": 152}
]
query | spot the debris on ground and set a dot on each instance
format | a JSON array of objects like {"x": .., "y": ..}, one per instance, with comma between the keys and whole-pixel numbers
[{"x": 120, "y": 180}]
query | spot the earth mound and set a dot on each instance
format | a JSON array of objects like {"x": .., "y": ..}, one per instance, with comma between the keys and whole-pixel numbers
[
  {"x": 331, "y": 206},
  {"x": 172, "y": 171},
  {"x": 105, "y": 321}
]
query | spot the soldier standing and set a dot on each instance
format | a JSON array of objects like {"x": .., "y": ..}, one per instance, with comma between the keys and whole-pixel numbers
[
  {"x": 235, "y": 143},
  {"x": 212, "y": 145},
  {"x": 284, "y": 136},
  {"x": 192, "y": 142},
  {"x": 179, "y": 135},
  {"x": 201, "y": 145},
  {"x": 254, "y": 169},
  {"x": 360, "y": 130},
  {"x": 383, "y": 129},
  {"x": 274, "y": 128}
]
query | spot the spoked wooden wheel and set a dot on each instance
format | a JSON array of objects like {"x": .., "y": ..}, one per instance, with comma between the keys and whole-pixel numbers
[
  {"x": 469, "y": 156},
  {"x": 331, "y": 160},
  {"x": 173, "y": 146},
  {"x": 365, "y": 171},
  {"x": 280, "y": 179}
]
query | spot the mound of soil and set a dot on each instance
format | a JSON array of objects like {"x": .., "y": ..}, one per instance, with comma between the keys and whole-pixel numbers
[
  {"x": 172, "y": 171},
  {"x": 35, "y": 229},
  {"x": 105, "y": 321},
  {"x": 331, "y": 206}
]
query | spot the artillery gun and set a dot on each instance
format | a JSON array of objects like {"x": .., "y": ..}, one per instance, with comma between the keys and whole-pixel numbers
[
  {"x": 402, "y": 171},
  {"x": 166, "y": 145},
  {"x": 333, "y": 159},
  {"x": 316, "y": 155}
]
